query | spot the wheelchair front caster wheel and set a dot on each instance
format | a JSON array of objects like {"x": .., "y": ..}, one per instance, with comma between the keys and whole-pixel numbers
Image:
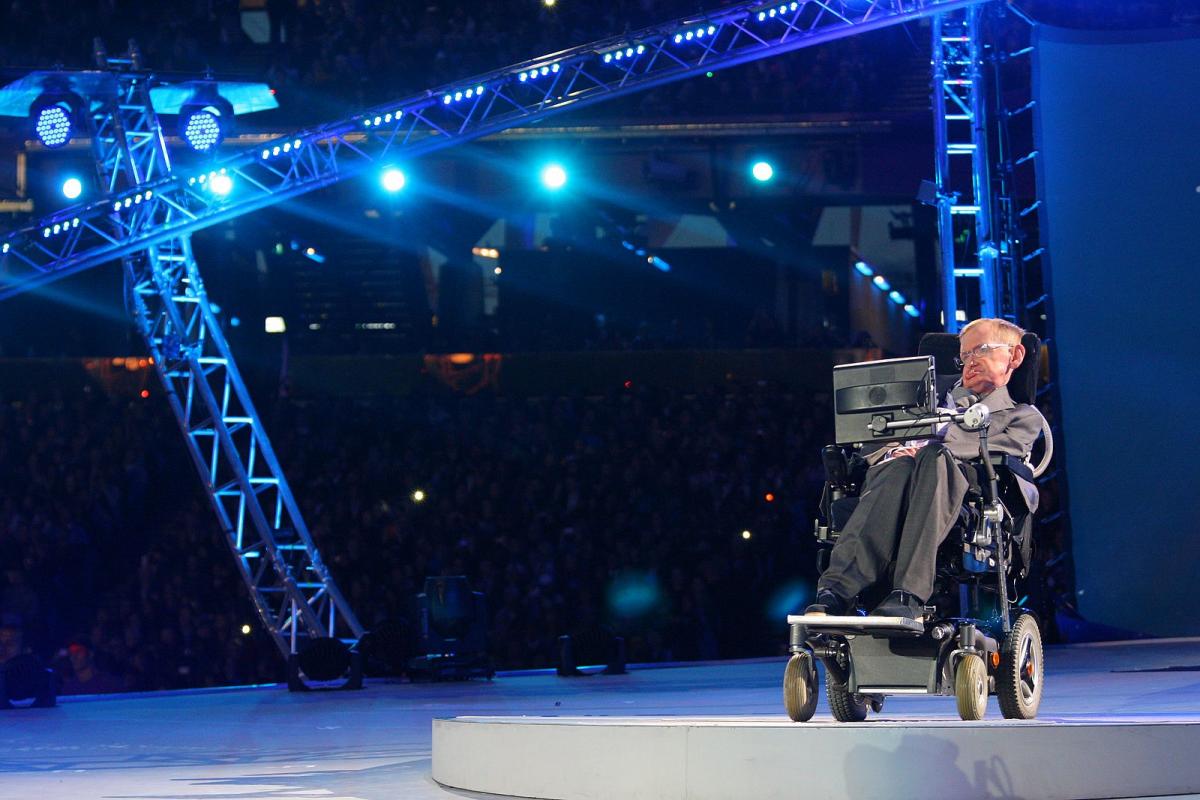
[
  {"x": 800, "y": 688},
  {"x": 844, "y": 704},
  {"x": 971, "y": 687},
  {"x": 1019, "y": 679}
]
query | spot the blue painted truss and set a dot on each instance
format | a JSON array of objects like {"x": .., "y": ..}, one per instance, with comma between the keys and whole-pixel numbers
[{"x": 155, "y": 210}]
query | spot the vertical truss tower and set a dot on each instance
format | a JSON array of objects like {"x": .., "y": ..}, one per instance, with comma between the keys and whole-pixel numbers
[{"x": 291, "y": 588}]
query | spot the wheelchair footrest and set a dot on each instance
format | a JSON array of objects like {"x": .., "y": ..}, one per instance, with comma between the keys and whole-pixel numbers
[{"x": 852, "y": 623}]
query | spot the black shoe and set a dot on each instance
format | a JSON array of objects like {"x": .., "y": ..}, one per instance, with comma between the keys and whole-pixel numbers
[
  {"x": 826, "y": 603},
  {"x": 901, "y": 604}
]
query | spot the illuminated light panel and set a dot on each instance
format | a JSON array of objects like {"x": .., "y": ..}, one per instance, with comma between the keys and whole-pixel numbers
[
  {"x": 220, "y": 184},
  {"x": 393, "y": 180},
  {"x": 202, "y": 130},
  {"x": 554, "y": 176},
  {"x": 53, "y": 125}
]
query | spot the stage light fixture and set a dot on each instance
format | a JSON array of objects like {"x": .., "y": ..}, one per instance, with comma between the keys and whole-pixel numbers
[
  {"x": 72, "y": 188},
  {"x": 762, "y": 171},
  {"x": 393, "y": 180},
  {"x": 55, "y": 114},
  {"x": 205, "y": 119},
  {"x": 864, "y": 268},
  {"x": 220, "y": 184},
  {"x": 554, "y": 176},
  {"x": 881, "y": 282}
]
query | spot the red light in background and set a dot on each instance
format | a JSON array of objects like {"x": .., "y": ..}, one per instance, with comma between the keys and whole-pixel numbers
[
  {"x": 628, "y": 384},
  {"x": 770, "y": 498},
  {"x": 145, "y": 393}
]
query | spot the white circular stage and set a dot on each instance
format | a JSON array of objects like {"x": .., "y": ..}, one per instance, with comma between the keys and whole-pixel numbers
[{"x": 574, "y": 758}]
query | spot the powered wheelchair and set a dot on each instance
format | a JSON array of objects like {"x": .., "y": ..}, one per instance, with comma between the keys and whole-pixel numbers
[{"x": 975, "y": 641}]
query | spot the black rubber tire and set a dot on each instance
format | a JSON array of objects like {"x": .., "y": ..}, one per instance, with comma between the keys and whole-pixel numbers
[
  {"x": 844, "y": 706},
  {"x": 1022, "y": 670},
  {"x": 800, "y": 688},
  {"x": 971, "y": 687}
]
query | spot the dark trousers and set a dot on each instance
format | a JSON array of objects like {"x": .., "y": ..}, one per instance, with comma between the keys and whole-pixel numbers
[{"x": 906, "y": 508}]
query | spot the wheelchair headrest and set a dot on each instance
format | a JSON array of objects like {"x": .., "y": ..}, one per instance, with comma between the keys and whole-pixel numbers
[{"x": 1022, "y": 387}]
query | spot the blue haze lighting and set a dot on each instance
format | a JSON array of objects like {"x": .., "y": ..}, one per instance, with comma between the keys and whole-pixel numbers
[
  {"x": 633, "y": 594},
  {"x": 53, "y": 125},
  {"x": 201, "y": 129},
  {"x": 762, "y": 171},
  {"x": 864, "y": 268},
  {"x": 393, "y": 180},
  {"x": 881, "y": 282},
  {"x": 72, "y": 188},
  {"x": 554, "y": 176}
]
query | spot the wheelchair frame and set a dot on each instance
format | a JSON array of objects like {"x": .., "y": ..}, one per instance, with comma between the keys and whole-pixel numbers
[{"x": 969, "y": 656}]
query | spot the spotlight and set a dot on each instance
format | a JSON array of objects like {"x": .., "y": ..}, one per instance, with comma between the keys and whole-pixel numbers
[
  {"x": 418, "y": 496},
  {"x": 554, "y": 177},
  {"x": 202, "y": 130},
  {"x": 205, "y": 119},
  {"x": 393, "y": 180},
  {"x": 245, "y": 630},
  {"x": 55, "y": 114},
  {"x": 762, "y": 171},
  {"x": 881, "y": 282},
  {"x": 220, "y": 184},
  {"x": 746, "y": 535},
  {"x": 72, "y": 188}
]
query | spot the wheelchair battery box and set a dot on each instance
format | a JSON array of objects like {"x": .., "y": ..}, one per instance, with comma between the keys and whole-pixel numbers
[
  {"x": 893, "y": 663},
  {"x": 892, "y": 390}
]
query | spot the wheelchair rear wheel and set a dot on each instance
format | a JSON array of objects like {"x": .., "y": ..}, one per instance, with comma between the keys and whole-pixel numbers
[
  {"x": 845, "y": 705},
  {"x": 1019, "y": 680},
  {"x": 800, "y": 687},
  {"x": 971, "y": 687}
]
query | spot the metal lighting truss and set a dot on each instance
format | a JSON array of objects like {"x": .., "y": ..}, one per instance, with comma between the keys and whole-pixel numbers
[
  {"x": 293, "y": 592},
  {"x": 960, "y": 126},
  {"x": 176, "y": 204}
]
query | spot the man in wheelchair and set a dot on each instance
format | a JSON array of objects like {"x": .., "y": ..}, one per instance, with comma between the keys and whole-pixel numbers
[
  {"x": 914, "y": 490},
  {"x": 944, "y": 626}
]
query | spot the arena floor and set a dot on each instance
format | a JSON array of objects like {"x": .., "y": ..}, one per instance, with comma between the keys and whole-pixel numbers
[{"x": 264, "y": 742}]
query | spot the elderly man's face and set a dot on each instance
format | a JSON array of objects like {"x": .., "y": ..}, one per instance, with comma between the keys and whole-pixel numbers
[{"x": 987, "y": 368}]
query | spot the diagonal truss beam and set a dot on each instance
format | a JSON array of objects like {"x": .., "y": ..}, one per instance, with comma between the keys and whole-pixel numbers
[{"x": 157, "y": 211}]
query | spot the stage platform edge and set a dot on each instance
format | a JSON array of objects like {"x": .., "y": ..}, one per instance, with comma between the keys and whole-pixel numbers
[{"x": 696, "y": 758}]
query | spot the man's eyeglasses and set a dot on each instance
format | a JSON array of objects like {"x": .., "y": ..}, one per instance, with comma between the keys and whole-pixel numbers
[{"x": 979, "y": 352}]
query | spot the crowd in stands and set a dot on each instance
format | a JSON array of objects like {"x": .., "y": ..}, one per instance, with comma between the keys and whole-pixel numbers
[{"x": 559, "y": 509}]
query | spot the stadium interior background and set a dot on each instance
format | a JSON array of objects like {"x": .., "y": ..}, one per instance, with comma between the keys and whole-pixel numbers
[{"x": 602, "y": 403}]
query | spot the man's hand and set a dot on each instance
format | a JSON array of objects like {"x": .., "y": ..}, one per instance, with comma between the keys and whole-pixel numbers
[{"x": 906, "y": 450}]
